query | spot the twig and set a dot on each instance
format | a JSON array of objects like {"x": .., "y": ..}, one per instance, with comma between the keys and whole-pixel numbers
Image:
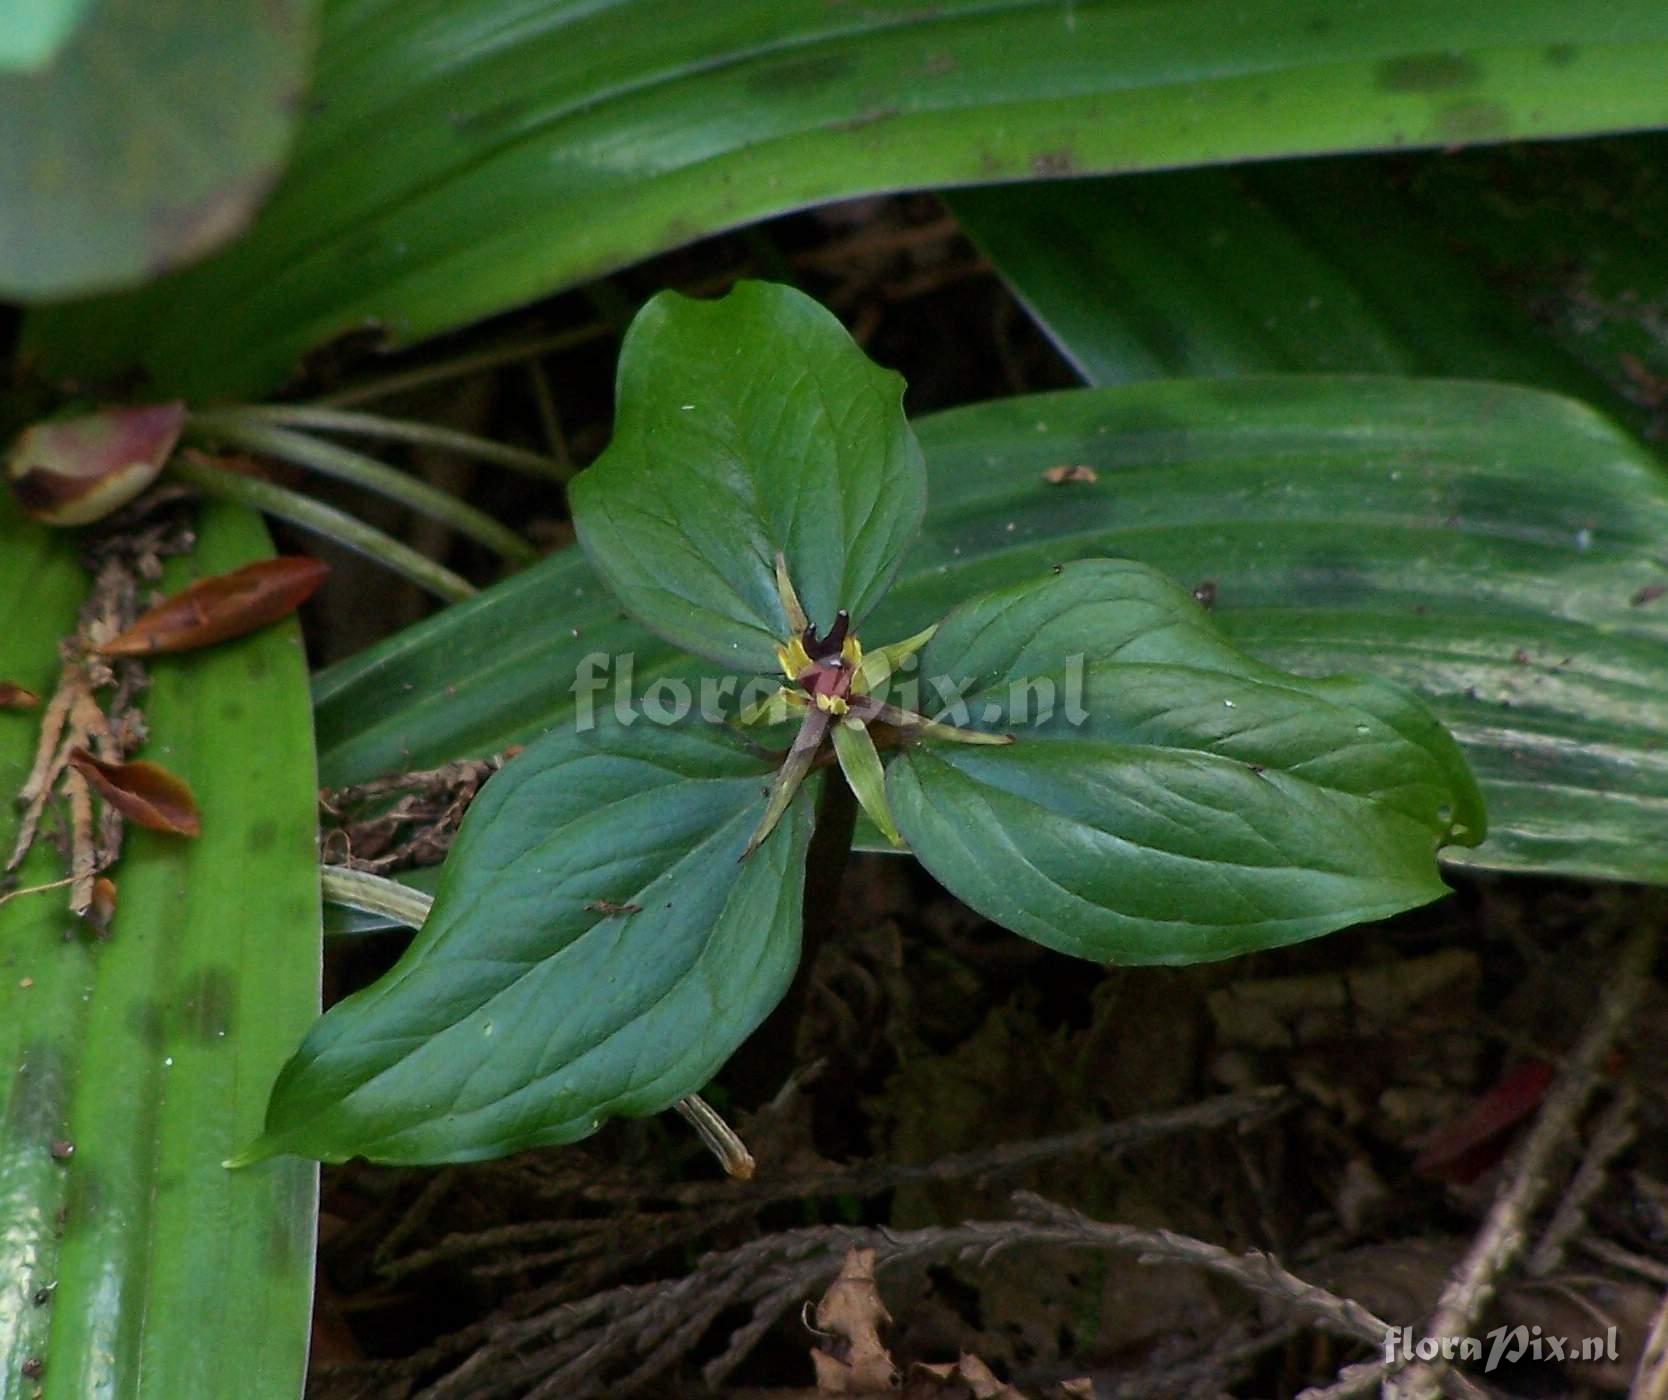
[
  {"x": 721, "y": 1202},
  {"x": 474, "y": 362},
  {"x": 583, "y": 1349},
  {"x": 1351, "y": 1381},
  {"x": 1650, "y": 1381},
  {"x": 1625, "y": 1259},
  {"x": 1611, "y": 1134},
  {"x": 1528, "y": 1175},
  {"x": 1254, "y": 1270}
]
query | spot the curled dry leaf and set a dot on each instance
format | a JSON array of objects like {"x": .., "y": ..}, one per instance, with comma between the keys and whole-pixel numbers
[
  {"x": 145, "y": 793},
  {"x": 219, "y": 608},
  {"x": 71, "y": 471},
  {"x": 852, "y": 1361},
  {"x": 15, "y": 697},
  {"x": 968, "y": 1376}
]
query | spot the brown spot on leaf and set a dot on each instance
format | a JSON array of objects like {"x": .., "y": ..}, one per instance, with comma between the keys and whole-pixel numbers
[
  {"x": 1061, "y": 476},
  {"x": 1648, "y": 594},
  {"x": 1427, "y": 72}
]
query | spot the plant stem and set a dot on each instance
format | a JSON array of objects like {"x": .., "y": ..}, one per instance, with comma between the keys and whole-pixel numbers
[
  {"x": 373, "y": 425},
  {"x": 768, "y": 1057},
  {"x": 242, "y": 429},
  {"x": 333, "y": 524},
  {"x": 472, "y": 363}
]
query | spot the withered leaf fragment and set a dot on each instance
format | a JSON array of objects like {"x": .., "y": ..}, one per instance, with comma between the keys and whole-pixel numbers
[
  {"x": 15, "y": 697},
  {"x": 220, "y": 608},
  {"x": 71, "y": 471},
  {"x": 145, "y": 793}
]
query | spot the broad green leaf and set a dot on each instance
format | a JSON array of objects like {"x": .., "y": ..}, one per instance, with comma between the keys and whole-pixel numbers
[
  {"x": 36, "y": 29},
  {"x": 749, "y": 427},
  {"x": 1494, "y": 549},
  {"x": 1254, "y": 271},
  {"x": 151, "y": 1052},
  {"x": 145, "y": 141},
  {"x": 595, "y": 949},
  {"x": 542, "y": 145},
  {"x": 1167, "y": 799}
]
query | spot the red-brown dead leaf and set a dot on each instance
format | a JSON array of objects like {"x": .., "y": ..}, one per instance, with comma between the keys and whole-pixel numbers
[
  {"x": 70, "y": 471},
  {"x": 15, "y": 697},
  {"x": 145, "y": 793},
  {"x": 220, "y": 608}
]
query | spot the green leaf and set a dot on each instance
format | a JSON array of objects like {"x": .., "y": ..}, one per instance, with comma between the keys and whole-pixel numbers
[
  {"x": 151, "y": 136},
  {"x": 1254, "y": 271},
  {"x": 525, "y": 1012},
  {"x": 151, "y": 1052},
  {"x": 1167, "y": 799},
  {"x": 539, "y": 148},
  {"x": 1494, "y": 549},
  {"x": 35, "y": 31},
  {"x": 747, "y": 427}
]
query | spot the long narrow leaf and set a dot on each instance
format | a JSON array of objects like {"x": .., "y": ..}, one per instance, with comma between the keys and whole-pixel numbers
[
  {"x": 135, "y": 1263},
  {"x": 543, "y": 145}
]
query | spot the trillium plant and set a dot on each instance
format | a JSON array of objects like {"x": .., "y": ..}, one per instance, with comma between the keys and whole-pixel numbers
[{"x": 1074, "y": 751}]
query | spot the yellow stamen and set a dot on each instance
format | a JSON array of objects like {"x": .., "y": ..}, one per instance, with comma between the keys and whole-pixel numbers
[{"x": 793, "y": 658}]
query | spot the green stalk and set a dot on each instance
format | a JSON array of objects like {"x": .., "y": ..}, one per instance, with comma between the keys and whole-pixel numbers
[
  {"x": 374, "y": 425},
  {"x": 239, "y": 429},
  {"x": 473, "y": 363},
  {"x": 333, "y": 524}
]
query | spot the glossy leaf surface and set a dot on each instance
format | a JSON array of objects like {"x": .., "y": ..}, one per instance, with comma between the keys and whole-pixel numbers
[
  {"x": 150, "y": 1053},
  {"x": 1167, "y": 799},
  {"x": 545, "y": 144},
  {"x": 525, "y": 1013},
  {"x": 1482, "y": 545},
  {"x": 749, "y": 427},
  {"x": 145, "y": 140}
]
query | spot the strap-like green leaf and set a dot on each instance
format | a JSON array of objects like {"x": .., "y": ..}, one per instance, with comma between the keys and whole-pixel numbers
[
  {"x": 540, "y": 145},
  {"x": 135, "y": 1264},
  {"x": 747, "y": 427},
  {"x": 1168, "y": 800},
  {"x": 595, "y": 949}
]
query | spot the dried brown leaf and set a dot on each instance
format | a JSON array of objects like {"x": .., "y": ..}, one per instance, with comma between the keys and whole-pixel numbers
[
  {"x": 851, "y": 1313},
  {"x": 15, "y": 697},
  {"x": 967, "y": 1377},
  {"x": 71, "y": 471},
  {"x": 1060, "y": 476},
  {"x": 145, "y": 793},
  {"x": 220, "y": 608}
]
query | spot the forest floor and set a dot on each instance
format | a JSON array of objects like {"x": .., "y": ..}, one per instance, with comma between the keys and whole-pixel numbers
[{"x": 982, "y": 1168}]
